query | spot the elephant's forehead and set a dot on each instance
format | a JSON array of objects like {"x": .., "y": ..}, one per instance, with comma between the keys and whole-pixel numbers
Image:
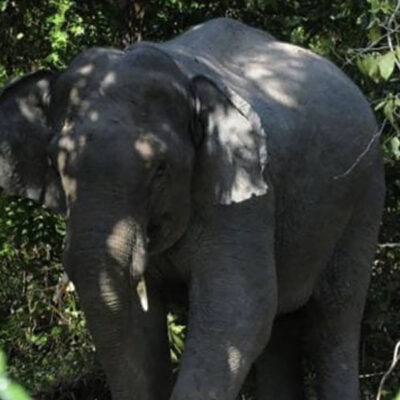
[
  {"x": 89, "y": 75},
  {"x": 94, "y": 63}
]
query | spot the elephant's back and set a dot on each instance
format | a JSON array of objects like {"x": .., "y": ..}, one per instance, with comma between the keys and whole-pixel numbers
[
  {"x": 322, "y": 139},
  {"x": 309, "y": 109}
]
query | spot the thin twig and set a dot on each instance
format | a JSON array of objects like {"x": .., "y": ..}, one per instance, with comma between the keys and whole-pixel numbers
[
  {"x": 362, "y": 155},
  {"x": 396, "y": 358},
  {"x": 371, "y": 375},
  {"x": 388, "y": 245},
  {"x": 370, "y": 47},
  {"x": 391, "y": 31}
]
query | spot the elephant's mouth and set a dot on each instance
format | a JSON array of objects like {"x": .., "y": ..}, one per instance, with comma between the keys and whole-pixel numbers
[
  {"x": 159, "y": 237},
  {"x": 162, "y": 234}
]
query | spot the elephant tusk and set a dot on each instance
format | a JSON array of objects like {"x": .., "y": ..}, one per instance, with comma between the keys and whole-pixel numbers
[{"x": 142, "y": 293}]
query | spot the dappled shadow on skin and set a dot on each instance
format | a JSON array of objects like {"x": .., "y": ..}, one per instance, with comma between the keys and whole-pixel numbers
[
  {"x": 98, "y": 159},
  {"x": 103, "y": 158},
  {"x": 287, "y": 86},
  {"x": 91, "y": 144},
  {"x": 101, "y": 219}
]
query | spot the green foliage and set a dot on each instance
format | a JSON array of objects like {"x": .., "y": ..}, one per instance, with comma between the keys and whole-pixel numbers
[
  {"x": 176, "y": 335},
  {"x": 9, "y": 390},
  {"x": 379, "y": 62},
  {"x": 45, "y": 338},
  {"x": 44, "y": 334}
]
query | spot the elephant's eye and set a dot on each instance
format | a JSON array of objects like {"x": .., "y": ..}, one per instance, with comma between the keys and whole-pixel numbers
[{"x": 161, "y": 170}]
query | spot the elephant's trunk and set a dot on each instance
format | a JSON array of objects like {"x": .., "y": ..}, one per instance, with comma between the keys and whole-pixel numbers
[{"x": 111, "y": 250}]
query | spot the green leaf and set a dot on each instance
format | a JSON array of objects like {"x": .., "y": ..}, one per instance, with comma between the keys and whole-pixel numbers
[
  {"x": 388, "y": 110},
  {"x": 395, "y": 147},
  {"x": 375, "y": 5},
  {"x": 397, "y": 50},
  {"x": 374, "y": 32},
  {"x": 386, "y": 65},
  {"x": 3, "y": 5},
  {"x": 368, "y": 65},
  {"x": 12, "y": 391},
  {"x": 3, "y": 364}
]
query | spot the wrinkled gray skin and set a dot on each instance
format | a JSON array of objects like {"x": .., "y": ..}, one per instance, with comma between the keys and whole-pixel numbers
[{"x": 224, "y": 162}]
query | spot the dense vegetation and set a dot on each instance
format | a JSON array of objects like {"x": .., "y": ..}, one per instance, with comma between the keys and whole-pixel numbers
[{"x": 43, "y": 331}]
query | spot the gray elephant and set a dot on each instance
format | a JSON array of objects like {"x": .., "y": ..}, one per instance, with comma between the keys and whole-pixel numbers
[{"x": 223, "y": 164}]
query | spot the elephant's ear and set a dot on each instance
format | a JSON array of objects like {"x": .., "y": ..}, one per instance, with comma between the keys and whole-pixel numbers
[
  {"x": 232, "y": 146},
  {"x": 25, "y": 167}
]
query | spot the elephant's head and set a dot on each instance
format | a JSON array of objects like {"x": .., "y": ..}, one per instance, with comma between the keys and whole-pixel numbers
[{"x": 134, "y": 144}]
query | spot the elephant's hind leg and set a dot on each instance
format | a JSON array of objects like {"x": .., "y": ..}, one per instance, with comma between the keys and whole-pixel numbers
[
  {"x": 336, "y": 307},
  {"x": 279, "y": 374}
]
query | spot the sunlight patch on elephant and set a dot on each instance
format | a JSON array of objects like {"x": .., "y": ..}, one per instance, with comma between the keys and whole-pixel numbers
[
  {"x": 67, "y": 152},
  {"x": 234, "y": 135},
  {"x": 108, "y": 292},
  {"x": 70, "y": 186},
  {"x": 94, "y": 116},
  {"x": 86, "y": 69},
  {"x": 144, "y": 148},
  {"x": 44, "y": 87},
  {"x": 116, "y": 245},
  {"x": 256, "y": 71},
  {"x": 234, "y": 358},
  {"x": 195, "y": 28},
  {"x": 277, "y": 91},
  {"x": 76, "y": 100},
  {"x": 66, "y": 142},
  {"x": 25, "y": 107},
  {"x": 148, "y": 146},
  {"x": 109, "y": 80},
  {"x": 74, "y": 96}
]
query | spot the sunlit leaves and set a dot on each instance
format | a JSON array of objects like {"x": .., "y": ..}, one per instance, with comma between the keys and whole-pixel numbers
[
  {"x": 368, "y": 65},
  {"x": 176, "y": 335},
  {"x": 379, "y": 62},
  {"x": 9, "y": 390},
  {"x": 58, "y": 34},
  {"x": 378, "y": 66},
  {"x": 395, "y": 147},
  {"x": 3, "y": 5},
  {"x": 386, "y": 64},
  {"x": 48, "y": 337},
  {"x": 374, "y": 31}
]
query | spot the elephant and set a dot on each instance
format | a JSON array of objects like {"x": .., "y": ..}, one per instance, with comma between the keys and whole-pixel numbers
[{"x": 235, "y": 174}]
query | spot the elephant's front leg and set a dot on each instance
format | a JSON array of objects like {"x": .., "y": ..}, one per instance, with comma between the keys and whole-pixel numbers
[
  {"x": 232, "y": 306},
  {"x": 131, "y": 343}
]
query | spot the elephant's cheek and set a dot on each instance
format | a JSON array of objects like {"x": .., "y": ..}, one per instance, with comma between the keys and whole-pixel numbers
[{"x": 164, "y": 235}]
